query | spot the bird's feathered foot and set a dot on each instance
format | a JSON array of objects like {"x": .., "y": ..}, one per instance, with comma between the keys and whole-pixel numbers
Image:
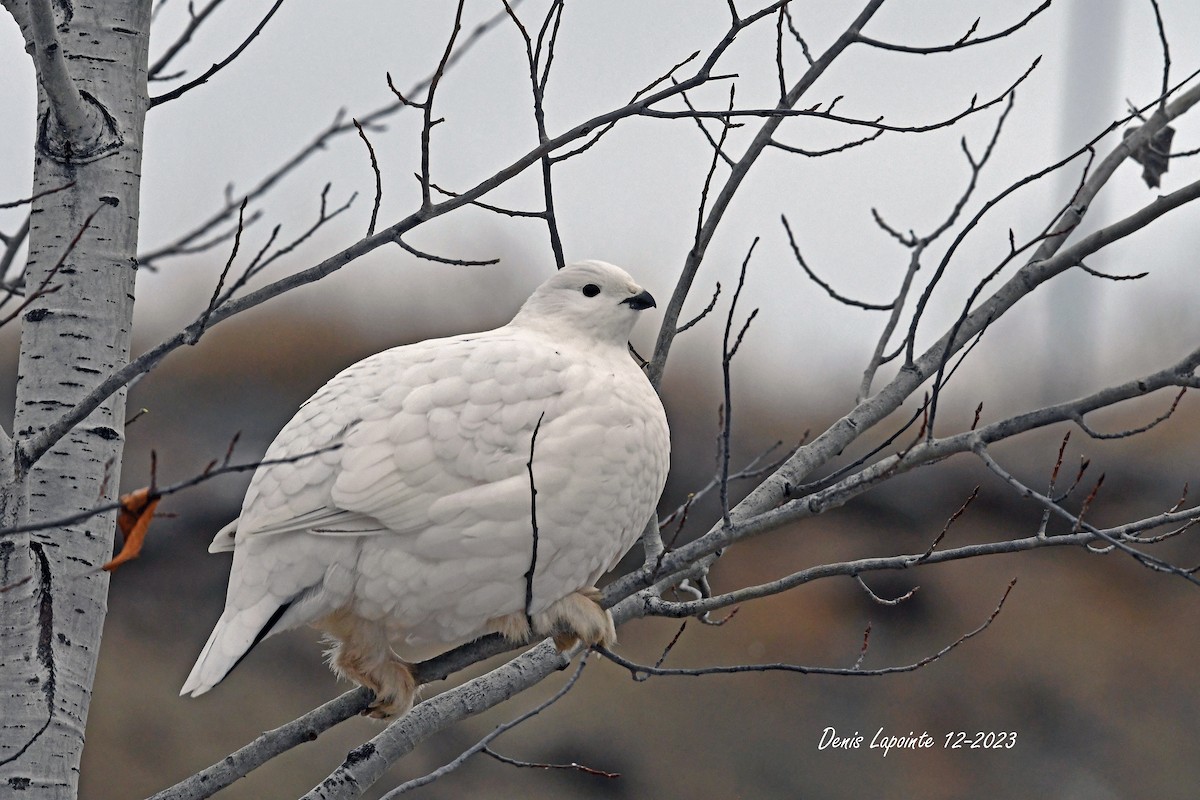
[
  {"x": 362, "y": 653},
  {"x": 390, "y": 678},
  {"x": 577, "y": 617},
  {"x": 514, "y": 627}
]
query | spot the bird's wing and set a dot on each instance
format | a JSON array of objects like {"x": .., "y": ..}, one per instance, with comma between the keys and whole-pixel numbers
[
  {"x": 385, "y": 440},
  {"x": 324, "y": 520},
  {"x": 460, "y": 428},
  {"x": 290, "y": 491}
]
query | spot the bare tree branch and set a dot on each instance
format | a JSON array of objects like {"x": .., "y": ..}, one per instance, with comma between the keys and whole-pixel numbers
[
  {"x": 12, "y": 244},
  {"x": 1166, "y": 415},
  {"x": 68, "y": 106},
  {"x": 220, "y": 65},
  {"x": 829, "y": 290},
  {"x": 195, "y": 20},
  {"x": 427, "y": 106},
  {"x": 727, "y": 354},
  {"x": 537, "y": 765},
  {"x": 542, "y": 55},
  {"x": 781, "y": 497},
  {"x": 38, "y": 196},
  {"x": 1166, "y": 51},
  {"x": 454, "y": 262},
  {"x": 707, "y": 310},
  {"x": 43, "y": 440},
  {"x": 876, "y": 124},
  {"x": 183, "y": 244},
  {"x": 967, "y": 40},
  {"x": 841, "y": 148},
  {"x": 751, "y": 519},
  {"x": 738, "y": 172},
  {"x": 366, "y": 764},
  {"x": 378, "y": 178},
  {"x": 1076, "y": 520},
  {"x": 213, "y": 469},
  {"x": 533, "y": 524},
  {"x": 640, "y": 672},
  {"x": 44, "y": 286},
  {"x": 245, "y": 760},
  {"x": 483, "y": 744}
]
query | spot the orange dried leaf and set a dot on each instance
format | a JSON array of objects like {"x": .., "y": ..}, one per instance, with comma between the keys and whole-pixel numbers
[{"x": 137, "y": 509}]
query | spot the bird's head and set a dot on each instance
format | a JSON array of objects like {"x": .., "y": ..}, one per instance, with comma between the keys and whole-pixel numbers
[{"x": 592, "y": 299}]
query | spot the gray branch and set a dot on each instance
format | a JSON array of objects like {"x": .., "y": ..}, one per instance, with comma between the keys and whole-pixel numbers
[{"x": 781, "y": 499}]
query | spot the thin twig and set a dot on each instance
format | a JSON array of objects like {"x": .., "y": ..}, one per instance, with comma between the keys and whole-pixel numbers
[
  {"x": 427, "y": 106},
  {"x": 512, "y": 762},
  {"x": 965, "y": 41},
  {"x": 483, "y": 743},
  {"x": 829, "y": 290},
  {"x": 946, "y": 528},
  {"x": 533, "y": 524},
  {"x": 210, "y": 471},
  {"x": 319, "y": 143},
  {"x": 36, "y": 196},
  {"x": 378, "y": 177},
  {"x": 1108, "y": 277},
  {"x": 220, "y": 65},
  {"x": 543, "y": 54},
  {"x": 455, "y": 262},
  {"x": 214, "y": 301},
  {"x": 1166, "y": 415},
  {"x": 1146, "y": 560},
  {"x": 707, "y": 310},
  {"x": 727, "y": 354},
  {"x": 828, "y": 151},
  {"x": 195, "y": 20},
  {"x": 876, "y": 124},
  {"x": 881, "y": 601},
  {"x": 642, "y": 671},
  {"x": 1166, "y": 53},
  {"x": 44, "y": 288},
  {"x": 739, "y": 170}
]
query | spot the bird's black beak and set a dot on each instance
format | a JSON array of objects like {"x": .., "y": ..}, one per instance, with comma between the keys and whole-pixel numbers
[{"x": 640, "y": 302}]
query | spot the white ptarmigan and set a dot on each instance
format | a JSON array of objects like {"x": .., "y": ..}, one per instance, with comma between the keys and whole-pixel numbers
[{"x": 412, "y": 521}]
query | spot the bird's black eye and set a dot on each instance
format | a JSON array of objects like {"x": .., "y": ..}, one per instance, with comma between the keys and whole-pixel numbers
[{"x": 591, "y": 290}]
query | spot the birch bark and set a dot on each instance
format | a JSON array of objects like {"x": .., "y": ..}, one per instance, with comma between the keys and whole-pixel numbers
[{"x": 92, "y": 100}]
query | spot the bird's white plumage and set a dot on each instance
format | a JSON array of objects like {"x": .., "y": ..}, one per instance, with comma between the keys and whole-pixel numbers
[{"x": 413, "y": 512}]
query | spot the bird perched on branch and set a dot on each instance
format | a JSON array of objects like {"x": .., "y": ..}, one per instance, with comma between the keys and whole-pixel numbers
[{"x": 442, "y": 490}]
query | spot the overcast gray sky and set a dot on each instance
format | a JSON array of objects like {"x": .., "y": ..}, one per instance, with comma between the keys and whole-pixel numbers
[{"x": 633, "y": 199}]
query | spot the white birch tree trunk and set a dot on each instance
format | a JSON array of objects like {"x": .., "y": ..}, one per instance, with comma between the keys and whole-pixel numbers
[{"x": 92, "y": 101}]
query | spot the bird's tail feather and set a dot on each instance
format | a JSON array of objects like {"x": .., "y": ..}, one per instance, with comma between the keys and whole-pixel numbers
[{"x": 235, "y": 635}]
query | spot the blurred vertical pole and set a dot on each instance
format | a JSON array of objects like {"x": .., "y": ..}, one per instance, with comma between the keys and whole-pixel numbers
[{"x": 1091, "y": 98}]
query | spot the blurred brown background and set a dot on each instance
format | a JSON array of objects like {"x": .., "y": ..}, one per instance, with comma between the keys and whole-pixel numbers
[{"x": 1091, "y": 662}]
